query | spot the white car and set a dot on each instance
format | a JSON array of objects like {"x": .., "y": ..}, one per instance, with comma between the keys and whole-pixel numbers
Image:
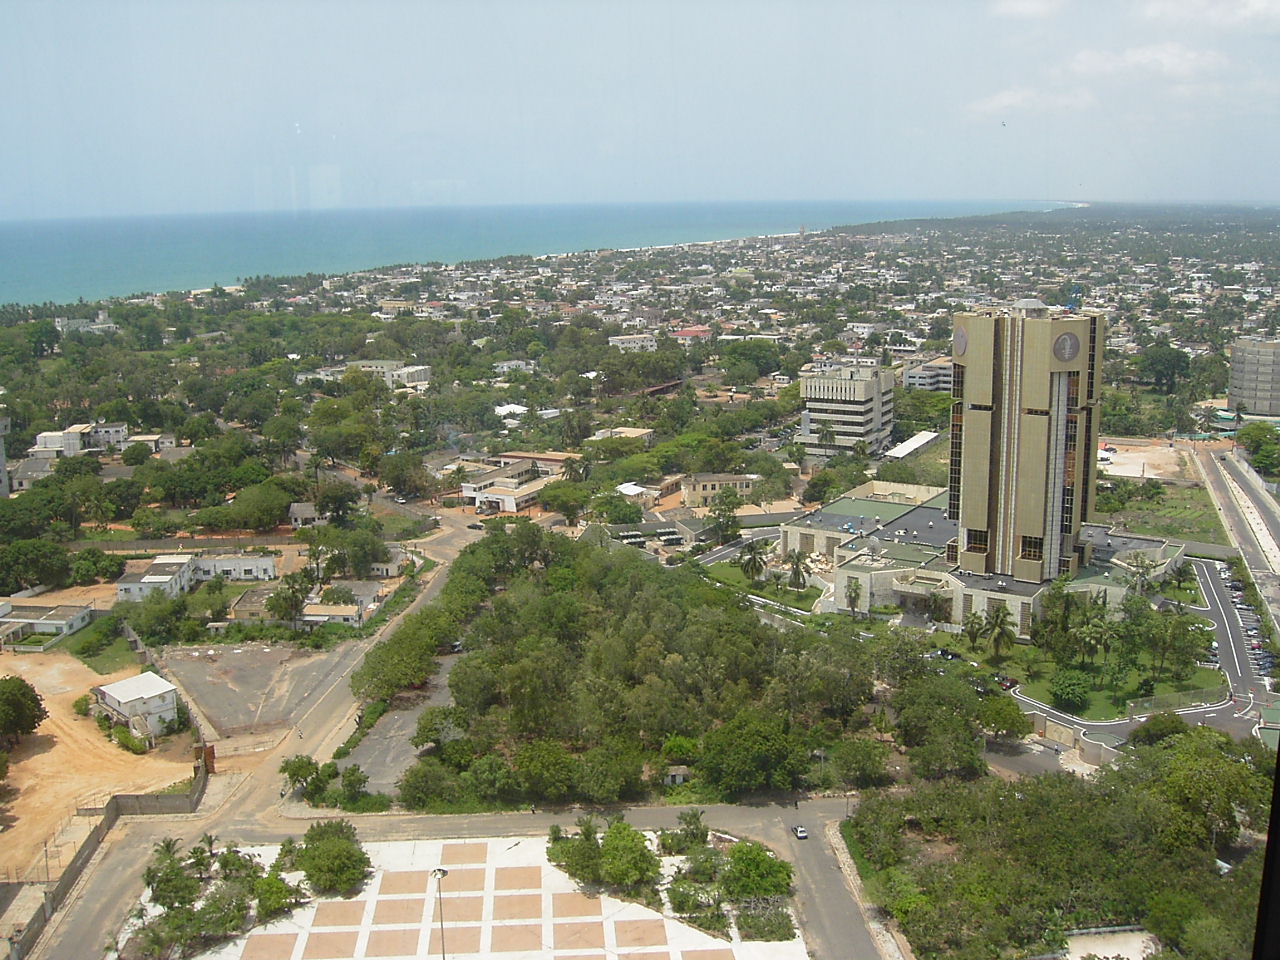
[{"x": 800, "y": 832}]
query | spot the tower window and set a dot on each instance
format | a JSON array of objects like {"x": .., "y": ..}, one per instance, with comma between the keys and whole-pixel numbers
[
  {"x": 1032, "y": 548},
  {"x": 975, "y": 541}
]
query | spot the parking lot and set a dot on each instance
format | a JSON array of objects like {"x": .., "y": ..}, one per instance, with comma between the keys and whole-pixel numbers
[{"x": 249, "y": 689}]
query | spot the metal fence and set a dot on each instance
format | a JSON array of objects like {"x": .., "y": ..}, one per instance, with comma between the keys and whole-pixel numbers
[{"x": 1176, "y": 701}]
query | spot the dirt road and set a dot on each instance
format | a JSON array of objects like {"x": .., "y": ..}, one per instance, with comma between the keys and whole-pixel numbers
[{"x": 68, "y": 760}]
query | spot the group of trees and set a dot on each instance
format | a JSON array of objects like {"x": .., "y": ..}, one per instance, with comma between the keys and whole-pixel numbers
[
  {"x": 206, "y": 896},
  {"x": 1136, "y": 844},
  {"x": 1262, "y": 441},
  {"x": 1095, "y": 646},
  {"x": 22, "y": 709},
  {"x": 585, "y": 665}
]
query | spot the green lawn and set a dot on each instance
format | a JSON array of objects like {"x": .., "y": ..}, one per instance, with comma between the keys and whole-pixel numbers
[
  {"x": 729, "y": 574},
  {"x": 1188, "y": 595},
  {"x": 199, "y": 601},
  {"x": 1105, "y": 704},
  {"x": 114, "y": 656},
  {"x": 1183, "y": 513}
]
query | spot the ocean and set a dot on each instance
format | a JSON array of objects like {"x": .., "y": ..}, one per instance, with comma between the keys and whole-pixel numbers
[{"x": 66, "y": 260}]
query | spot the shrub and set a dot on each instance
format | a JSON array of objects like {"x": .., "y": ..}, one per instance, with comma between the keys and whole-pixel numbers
[
  {"x": 1069, "y": 690},
  {"x": 81, "y": 705},
  {"x": 332, "y": 858},
  {"x": 124, "y": 738}
]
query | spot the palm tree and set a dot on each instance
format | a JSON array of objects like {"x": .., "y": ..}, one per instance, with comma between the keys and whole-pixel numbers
[
  {"x": 167, "y": 848},
  {"x": 852, "y": 594},
  {"x": 999, "y": 629},
  {"x": 937, "y": 607},
  {"x": 826, "y": 436},
  {"x": 800, "y": 569},
  {"x": 1241, "y": 410},
  {"x": 776, "y": 579},
  {"x": 577, "y": 469},
  {"x": 1206, "y": 418},
  {"x": 974, "y": 629},
  {"x": 751, "y": 559}
]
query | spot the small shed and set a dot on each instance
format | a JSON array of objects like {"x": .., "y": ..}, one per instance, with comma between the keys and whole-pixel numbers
[{"x": 676, "y": 775}]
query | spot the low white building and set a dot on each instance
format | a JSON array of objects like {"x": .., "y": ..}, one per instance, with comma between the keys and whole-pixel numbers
[
  {"x": 19, "y": 621},
  {"x": 172, "y": 574},
  {"x": 147, "y": 701},
  {"x": 635, "y": 343},
  {"x": 236, "y": 566}
]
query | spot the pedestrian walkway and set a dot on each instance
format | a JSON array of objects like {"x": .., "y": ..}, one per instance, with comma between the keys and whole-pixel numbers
[{"x": 469, "y": 899}]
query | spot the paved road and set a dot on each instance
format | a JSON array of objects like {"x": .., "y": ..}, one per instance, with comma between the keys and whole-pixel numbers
[
  {"x": 730, "y": 550},
  {"x": 385, "y": 752},
  {"x": 833, "y": 924}
]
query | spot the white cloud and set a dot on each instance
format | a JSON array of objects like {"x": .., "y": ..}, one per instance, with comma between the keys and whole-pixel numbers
[
  {"x": 1026, "y": 9},
  {"x": 1217, "y": 13},
  {"x": 1171, "y": 60},
  {"x": 1021, "y": 99}
]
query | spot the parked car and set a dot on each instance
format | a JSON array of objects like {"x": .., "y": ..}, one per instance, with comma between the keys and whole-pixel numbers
[
  {"x": 475, "y": 526},
  {"x": 800, "y": 832},
  {"x": 1005, "y": 683}
]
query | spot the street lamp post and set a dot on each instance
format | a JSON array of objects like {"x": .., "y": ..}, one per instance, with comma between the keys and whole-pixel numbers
[{"x": 439, "y": 873}]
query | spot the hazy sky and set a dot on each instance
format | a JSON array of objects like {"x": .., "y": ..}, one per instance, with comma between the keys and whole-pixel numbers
[{"x": 158, "y": 106}]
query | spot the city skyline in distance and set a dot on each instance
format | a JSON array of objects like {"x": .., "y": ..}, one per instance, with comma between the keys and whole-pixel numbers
[{"x": 140, "y": 108}]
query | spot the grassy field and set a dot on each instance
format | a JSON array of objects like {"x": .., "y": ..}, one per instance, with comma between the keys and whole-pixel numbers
[
  {"x": 1034, "y": 670},
  {"x": 1188, "y": 595},
  {"x": 200, "y": 600},
  {"x": 1184, "y": 513},
  {"x": 729, "y": 574},
  {"x": 114, "y": 656},
  {"x": 930, "y": 464}
]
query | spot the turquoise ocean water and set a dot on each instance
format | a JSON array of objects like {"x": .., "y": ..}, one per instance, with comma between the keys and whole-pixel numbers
[{"x": 66, "y": 260}]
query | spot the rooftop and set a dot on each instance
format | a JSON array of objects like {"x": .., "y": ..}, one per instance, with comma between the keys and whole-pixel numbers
[{"x": 144, "y": 685}]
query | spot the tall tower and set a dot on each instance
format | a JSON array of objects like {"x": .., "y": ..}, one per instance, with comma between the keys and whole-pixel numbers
[
  {"x": 1024, "y": 425},
  {"x": 4, "y": 431}
]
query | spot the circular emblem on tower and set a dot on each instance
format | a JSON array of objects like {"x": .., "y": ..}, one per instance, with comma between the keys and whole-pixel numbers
[
  {"x": 959, "y": 342},
  {"x": 1067, "y": 347}
]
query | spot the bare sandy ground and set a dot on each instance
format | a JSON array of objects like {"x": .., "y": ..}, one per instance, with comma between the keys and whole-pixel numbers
[
  {"x": 1134, "y": 945},
  {"x": 1159, "y": 460},
  {"x": 68, "y": 760}
]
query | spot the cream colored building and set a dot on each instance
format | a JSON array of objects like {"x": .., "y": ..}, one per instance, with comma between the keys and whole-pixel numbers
[
  {"x": 1255, "y": 376},
  {"x": 1024, "y": 428},
  {"x": 844, "y": 407}
]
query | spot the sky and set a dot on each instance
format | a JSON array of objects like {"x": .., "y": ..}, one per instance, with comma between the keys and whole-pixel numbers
[{"x": 167, "y": 106}]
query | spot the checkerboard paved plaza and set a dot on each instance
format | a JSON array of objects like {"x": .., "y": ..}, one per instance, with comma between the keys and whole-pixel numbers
[{"x": 500, "y": 899}]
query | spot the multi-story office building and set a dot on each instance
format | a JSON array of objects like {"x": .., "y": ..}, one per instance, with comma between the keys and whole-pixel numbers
[
  {"x": 845, "y": 407},
  {"x": 1255, "y": 376},
  {"x": 1026, "y": 383}
]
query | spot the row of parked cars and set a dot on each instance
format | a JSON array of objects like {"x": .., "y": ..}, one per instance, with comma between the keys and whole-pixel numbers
[
  {"x": 1263, "y": 659},
  {"x": 942, "y": 653}
]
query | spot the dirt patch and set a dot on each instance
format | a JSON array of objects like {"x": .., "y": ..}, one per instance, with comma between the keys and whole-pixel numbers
[
  {"x": 1157, "y": 460},
  {"x": 68, "y": 761}
]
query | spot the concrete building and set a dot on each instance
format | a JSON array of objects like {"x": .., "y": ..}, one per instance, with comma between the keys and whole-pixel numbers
[
  {"x": 109, "y": 435},
  {"x": 19, "y": 621},
  {"x": 1255, "y": 376},
  {"x": 628, "y": 433},
  {"x": 71, "y": 442},
  {"x": 235, "y": 566},
  {"x": 934, "y": 374},
  {"x": 635, "y": 343},
  {"x": 172, "y": 573},
  {"x": 844, "y": 407},
  {"x": 1026, "y": 383},
  {"x": 698, "y": 489},
  {"x": 144, "y": 703}
]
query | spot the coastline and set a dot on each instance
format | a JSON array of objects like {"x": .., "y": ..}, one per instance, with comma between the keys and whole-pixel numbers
[{"x": 62, "y": 261}]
